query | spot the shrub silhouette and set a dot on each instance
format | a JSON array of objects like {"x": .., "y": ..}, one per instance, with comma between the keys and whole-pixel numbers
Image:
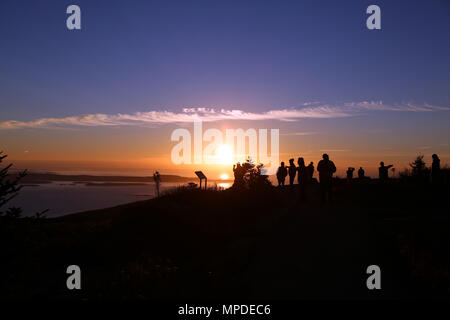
[
  {"x": 419, "y": 168},
  {"x": 418, "y": 171},
  {"x": 251, "y": 176},
  {"x": 9, "y": 188}
]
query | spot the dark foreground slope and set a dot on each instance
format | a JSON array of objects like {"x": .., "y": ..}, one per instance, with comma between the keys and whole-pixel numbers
[{"x": 255, "y": 244}]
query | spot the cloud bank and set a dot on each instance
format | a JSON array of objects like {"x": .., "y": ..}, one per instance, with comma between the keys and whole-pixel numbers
[{"x": 188, "y": 115}]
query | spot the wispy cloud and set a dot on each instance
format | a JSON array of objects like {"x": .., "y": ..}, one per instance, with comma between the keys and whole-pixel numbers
[
  {"x": 380, "y": 106},
  {"x": 188, "y": 115},
  {"x": 306, "y": 133}
]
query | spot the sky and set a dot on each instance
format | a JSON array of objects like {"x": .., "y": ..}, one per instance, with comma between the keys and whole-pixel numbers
[{"x": 106, "y": 98}]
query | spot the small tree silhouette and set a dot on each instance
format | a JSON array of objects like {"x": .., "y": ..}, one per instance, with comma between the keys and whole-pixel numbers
[
  {"x": 9, "y": 188},
  {"x": 419, "y": 169},
  {"x": 418, "y": 166},
  {"x": 253, "y": 177}
]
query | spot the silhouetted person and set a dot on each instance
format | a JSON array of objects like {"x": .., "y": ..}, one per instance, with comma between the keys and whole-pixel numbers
[
  {"x": 281, "y": 174},
  {"x": 435, "y": 169},
  {"x": 326, "y": 170},
  {"x": 350, "y": 171},
  {"x": 239, "y": 173},
  {"x": 157, "y": 179},
  {"x": 310, "y": 170},
  {"x": 383, "y": 171},
  {"x": 301, "y": 171},
  {"x": 302, "y": 176},
  {"x": 292, "y": 171},
  {"x": 361, "y": 173}
]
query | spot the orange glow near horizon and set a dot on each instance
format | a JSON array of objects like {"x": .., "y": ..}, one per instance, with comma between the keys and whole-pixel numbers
[{"x": 141, "y": 151}]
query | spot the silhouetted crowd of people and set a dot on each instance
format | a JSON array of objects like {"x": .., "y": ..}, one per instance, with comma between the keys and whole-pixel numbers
[
  {"x": 305, "y": 173},
  {"x": 327, "y": 168}
]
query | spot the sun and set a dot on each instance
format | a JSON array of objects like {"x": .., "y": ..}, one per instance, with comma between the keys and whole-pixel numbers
[
  {"x": 224, "y": 176},
  {"x": 224, "y": 154}
]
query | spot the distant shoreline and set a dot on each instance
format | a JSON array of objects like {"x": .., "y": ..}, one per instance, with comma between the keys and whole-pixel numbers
[
  {"x": 52, "y": 177},
  {"x": 92, "y": 180},
  {"x": 114, "y": 184}
]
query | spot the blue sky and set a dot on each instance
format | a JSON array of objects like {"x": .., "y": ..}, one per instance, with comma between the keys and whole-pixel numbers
[
  {"x": 152, "y": 55},
  {"x": 255, "y": 56}
]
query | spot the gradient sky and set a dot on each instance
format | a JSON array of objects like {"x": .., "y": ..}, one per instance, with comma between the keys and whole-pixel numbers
[{"x": 141, "y": 56}]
